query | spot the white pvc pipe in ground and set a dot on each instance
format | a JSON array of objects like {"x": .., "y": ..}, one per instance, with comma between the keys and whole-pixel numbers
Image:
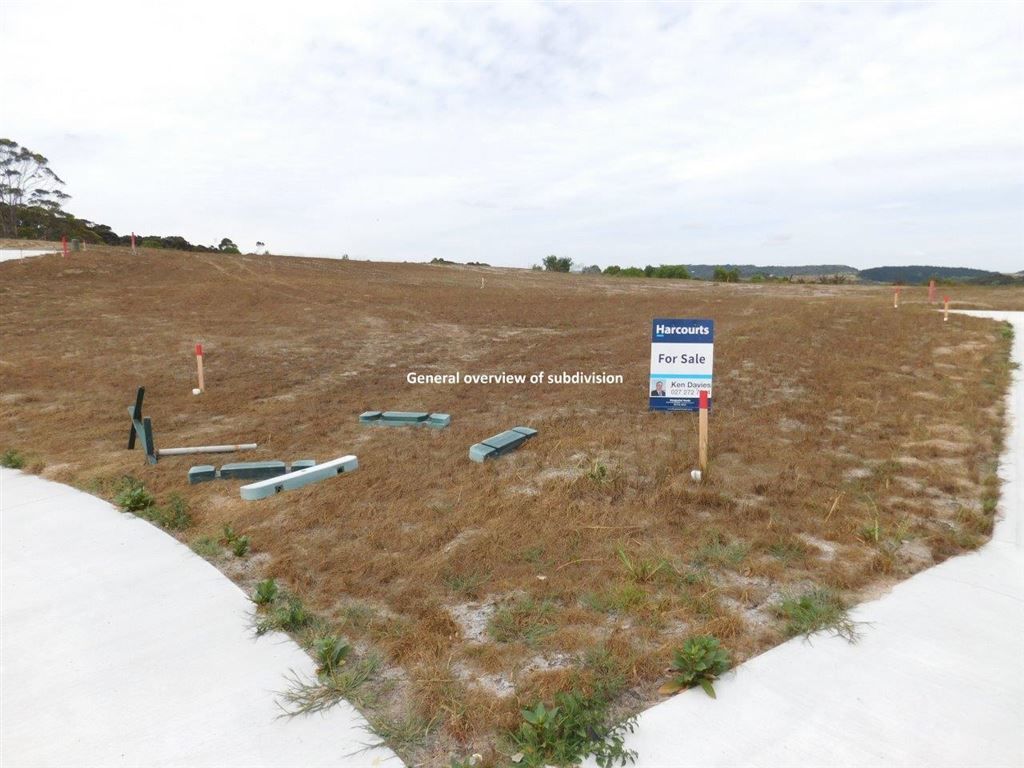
[{"x": 206, "y": 449}]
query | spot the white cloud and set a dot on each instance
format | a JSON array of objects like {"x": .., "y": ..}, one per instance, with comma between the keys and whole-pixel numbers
[{"x": 614, "y": 133}]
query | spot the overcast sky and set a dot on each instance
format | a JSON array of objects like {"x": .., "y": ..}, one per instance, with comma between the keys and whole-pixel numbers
[{"x": 861, "y": 133}]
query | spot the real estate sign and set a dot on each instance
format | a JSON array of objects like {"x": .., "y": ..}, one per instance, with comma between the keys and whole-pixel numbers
[{"x": 682, "y": 353}]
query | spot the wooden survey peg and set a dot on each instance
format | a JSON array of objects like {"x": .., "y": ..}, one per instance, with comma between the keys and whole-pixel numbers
[
  {"x": 702, "y": 433},
  {"x": 199, "y": 367}
]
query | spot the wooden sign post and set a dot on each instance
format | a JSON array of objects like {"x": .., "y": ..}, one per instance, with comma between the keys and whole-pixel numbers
[
  {"x": 931, "y": 291},
  {"x": 945, "y": 311},
  {"x": 896, "y": 297},
  {"x": 199, "y": 367},
  {"x": 64, "y": 245},
  {"x": 682, "y": 363},
  {"x": 133, "y": 242},
  {"x": 702, "y": 434}
]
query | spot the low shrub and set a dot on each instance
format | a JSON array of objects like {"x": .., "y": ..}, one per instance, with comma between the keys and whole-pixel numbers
[
  {"x": 12, "y": 459},
  {"x": 331, "y": 652},
  {"x": 700, "y": 661},
  {"x": 132, "y": 495},
  {"x": 266, "y": 592},
  {"x": 574, "y": 728}
]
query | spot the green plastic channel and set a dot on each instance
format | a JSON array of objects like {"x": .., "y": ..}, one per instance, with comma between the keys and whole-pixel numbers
[
  {"x": 202, "y": 474},
  {"x": 500, "y": 444},
  {"x": 253, "y": 470}
]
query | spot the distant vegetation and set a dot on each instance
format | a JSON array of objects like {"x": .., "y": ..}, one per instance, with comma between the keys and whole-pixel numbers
[
  {"x": 31, "y": 207},
  {"x": 832, "y": 274},
  {"x": 920, "y": 275},
  {"x": 675, "y": 271},
  {"x": 557, "y": 263},
  {"x": 455, "y": 263},
  {"x": 748, "y": 271}
]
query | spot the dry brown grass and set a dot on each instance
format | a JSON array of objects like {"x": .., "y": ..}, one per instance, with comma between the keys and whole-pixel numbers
[{"x": 851, "y": 446}]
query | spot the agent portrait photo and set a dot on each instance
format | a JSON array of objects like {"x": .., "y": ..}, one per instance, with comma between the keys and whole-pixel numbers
[{"x": 659, "y": 389}]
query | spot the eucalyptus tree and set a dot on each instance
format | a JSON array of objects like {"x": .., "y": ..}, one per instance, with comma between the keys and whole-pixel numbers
[{"x": 26, "y": 181}]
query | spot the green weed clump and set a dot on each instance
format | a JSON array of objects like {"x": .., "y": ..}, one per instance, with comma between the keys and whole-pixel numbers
[
  {"x": 12, "y": 459},
  {"x": 816, "y": 610},
  {"x": 404, "y": 732},
  {"x": 700, "y": 661},
  {"x": 173, "y": 515},
  {"x": 524, "y": 620},
  {"x": 132, "y": 495},
  {"x": 574, "y": 728},
  {"x": 239, "y": 544},
  {"x": 266, "y": 592},
  {"x": 466, "y": 584},
  {"x": 346, "y": 682},
  {"x": 642, "y": 570},
  {"x": 205, "y": 547},
  {"x": 598, "y": 473},
  {"x": 285, "y": 613},
  {"x": 718, "y": 550},
  {"x": 331, "y": 652},
  {"x": 618, "y": 599}
]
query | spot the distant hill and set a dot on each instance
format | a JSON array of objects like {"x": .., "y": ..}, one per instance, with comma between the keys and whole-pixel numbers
[
  {"x": 707, "y": 271},
  {"x": 922, "y": 274},
  {"x": 911, "y": 275}
]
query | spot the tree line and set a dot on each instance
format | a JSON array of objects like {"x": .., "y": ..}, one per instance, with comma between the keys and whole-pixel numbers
[
  {"x": 31, "y": 207},
  {"x": 554, "y": 263}
]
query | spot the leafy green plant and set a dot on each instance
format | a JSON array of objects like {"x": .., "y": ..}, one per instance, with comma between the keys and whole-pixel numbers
[
  {"x": 569, "y": 731},
  {"x": 229, "y": 536},
  {"x": 12, "y": 459},
  {"x": 700, "y": 661},
  {"x": 239, "y": 544},
  {"x": 331, "y": 652},
  {"x": 266, "y": 592},
  {"x": 132, "y": 495},
  {"x": 240, "y": 548},
  {"x": 287, "y": 613},
  {"x": 814, "y": 610}
]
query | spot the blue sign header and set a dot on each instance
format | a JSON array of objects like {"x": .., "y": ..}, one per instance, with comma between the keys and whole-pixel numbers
[{"x": 675, "y": 331}]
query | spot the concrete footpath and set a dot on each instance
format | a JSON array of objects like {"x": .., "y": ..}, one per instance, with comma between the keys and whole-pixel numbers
[
  {"x": 937, "y": 678},
  {"x": 120, "y": 647}
]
